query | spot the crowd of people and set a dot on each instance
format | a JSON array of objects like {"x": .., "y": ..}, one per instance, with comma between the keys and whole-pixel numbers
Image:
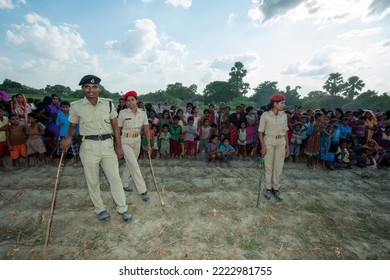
[
  {"x": 333, "y": 139},
  {"x": 91, "y": 130}
]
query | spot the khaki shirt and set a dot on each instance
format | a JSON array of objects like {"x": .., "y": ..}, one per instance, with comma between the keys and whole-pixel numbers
[
  {"x": 272, "y": 124},
  {"x": 93, "y": 120},
  {"x": 132, "y": 122}
]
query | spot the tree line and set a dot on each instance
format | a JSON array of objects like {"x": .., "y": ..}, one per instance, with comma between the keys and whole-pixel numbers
[{"x": 336, "y": 92}]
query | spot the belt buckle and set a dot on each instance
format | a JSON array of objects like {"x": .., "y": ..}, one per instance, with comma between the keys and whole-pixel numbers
[{"x": 100, "y": 137}]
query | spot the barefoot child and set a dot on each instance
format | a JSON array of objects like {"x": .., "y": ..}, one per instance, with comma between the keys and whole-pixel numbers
[
  {"x": 213, "y": 153},
  {"x": 227, "y": 151},
  {"x": 34, "y": 142},
  {"x": 17, "y": 141},
  {"x": 164, "y": 138}
]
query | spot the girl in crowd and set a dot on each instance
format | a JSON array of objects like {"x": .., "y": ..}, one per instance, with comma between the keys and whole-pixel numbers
[{"x": 313, "y": 143}]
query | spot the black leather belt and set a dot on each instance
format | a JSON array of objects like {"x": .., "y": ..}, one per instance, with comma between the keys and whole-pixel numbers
[{"x": 98, "y": 137}]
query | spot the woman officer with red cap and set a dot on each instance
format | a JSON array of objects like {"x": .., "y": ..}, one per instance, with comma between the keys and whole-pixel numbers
[
  {"x": 131, "y": 121},
  {"x": 274, "y": 144}
]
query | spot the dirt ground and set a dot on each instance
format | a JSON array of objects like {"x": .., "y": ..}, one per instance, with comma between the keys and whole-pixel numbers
[{"x": 209, "y": 213}]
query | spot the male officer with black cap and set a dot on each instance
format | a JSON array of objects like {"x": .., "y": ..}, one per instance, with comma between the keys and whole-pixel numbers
[{"x": 98, "y": 124}]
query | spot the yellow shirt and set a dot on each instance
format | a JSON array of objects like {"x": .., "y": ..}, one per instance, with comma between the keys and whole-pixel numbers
[
  {"x": 3, "y": 122},
  {"x": 132, "y": 122},
  {"x": 273, "y": 124},
  {"x": 93, "y": 119}
]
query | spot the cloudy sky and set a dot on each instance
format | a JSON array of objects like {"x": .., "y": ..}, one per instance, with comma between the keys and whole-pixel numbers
[{"x": 145, "y": 45}]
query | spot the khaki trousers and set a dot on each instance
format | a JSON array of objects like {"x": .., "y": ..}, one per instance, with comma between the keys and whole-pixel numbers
[
  {"x": 131, "y": 149},
  {"x": 274, "y": 161},
  {"x": 93, "y": 154}
]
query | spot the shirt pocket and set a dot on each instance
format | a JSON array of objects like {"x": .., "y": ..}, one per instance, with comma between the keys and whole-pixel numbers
[
  {"x": 105, "y": 121},
  {"x": 87, "y": 123}
]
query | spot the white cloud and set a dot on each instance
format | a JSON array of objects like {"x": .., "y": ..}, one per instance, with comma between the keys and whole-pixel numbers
[
  {"x": 267, "y": 10},
  {"x": 142, "y": 39},
  {"x": 378, "y": 9},
  {"x": 250, "y": 60},
  {"x": 186, "y": 4},
  {"x": 39, "y": 38},
  {"x": 6, "y": 4},
  {"x": 327, "y": 60},
  {"x": 320, "y": 11},
  {"x": 147, "y": 51},
  {"x": 360, "y": 33},
  {"x": 232, "y": 17},
  {"x": 10, "y": 4}
]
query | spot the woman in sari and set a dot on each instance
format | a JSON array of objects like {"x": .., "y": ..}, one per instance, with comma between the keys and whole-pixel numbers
[
  {"x": 49, "y": 115},
  {"x": 19, "y": 107}
]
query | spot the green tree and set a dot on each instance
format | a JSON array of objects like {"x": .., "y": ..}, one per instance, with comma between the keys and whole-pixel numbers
[
  {"x": 217, "y": 91},
  {"x": 264, "y": 91},
  {"x": 334, "y": 85},
  {"x": 60, "y": 90},
  {"x": 236, "y": 80},
  {"x": 353, "y": 87},
  {"x": 11, "y": 85},
  {"x": 292, "y": 96}
]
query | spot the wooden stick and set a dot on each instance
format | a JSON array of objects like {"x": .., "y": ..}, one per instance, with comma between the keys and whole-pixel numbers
[
  {"x": 52, "y": 208},
  {"x": 154, "y": 179}
]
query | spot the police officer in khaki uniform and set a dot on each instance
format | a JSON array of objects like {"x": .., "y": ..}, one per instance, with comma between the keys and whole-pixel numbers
[
  {"x": 274, "y": 144},
  {"x": 97, "y": 120},
  {"x": 131, "y": 121}
]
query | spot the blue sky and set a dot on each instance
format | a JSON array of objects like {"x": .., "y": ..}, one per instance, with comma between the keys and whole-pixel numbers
[{"x": 144, "y": 45}]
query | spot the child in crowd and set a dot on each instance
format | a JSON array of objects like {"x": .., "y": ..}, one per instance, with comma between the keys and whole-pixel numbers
[
  {"x": 367, "y": 158},
  {"x": 213, "y": 153},
  {"x": 214, "y": 129},
  {"x": 51, "y": 144},
  {"x": 343, "y": 155},
  {"x": 63, "y": 123},
  {"x": 3, "y": 137},
  {"x": 204, "y": 136},
  {"x": 325, "y": 137},
  {"x": 295, "y": 141},
  {"x": 304, "y": 120},
  {"x": 227, "y": 151},
  {"x": 242, "y": 140},
  {"x": 313, "y": 143},
  {"x": 379, "y": 151},
  {"x": 34, "y": 142},
  {"x": 154, "y": 140},
  {"x": 175, "y": 143},
  {"x": 165, "y": 119},
  {"x": 164, "y": 138},
  {"x": 17, "y": 141},
  {"x": 359, "y": 130},
  {"x": 334, "y": 143},
  {"x": 345, "y": 129},
  {"x": 144, "y": 142},
  {"x": 190, "y": 132},
  {"x": 233, "y": 135}
]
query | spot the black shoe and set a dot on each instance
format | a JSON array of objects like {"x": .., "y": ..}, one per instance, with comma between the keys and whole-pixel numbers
[
  {"x": 277, "y": 195},
  {"x": 104, "y": 216},
  {"x": 126, "y": 217},
  {"x": 268, "y": 194},
  {"x": 128, "y": 189},
  {"x": 145, "y": 196}
]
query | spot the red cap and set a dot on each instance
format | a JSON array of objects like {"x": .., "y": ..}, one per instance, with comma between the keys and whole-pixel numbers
[
  {"x": 129, "y": 93},
  {"x": 277, "y": 97}
]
